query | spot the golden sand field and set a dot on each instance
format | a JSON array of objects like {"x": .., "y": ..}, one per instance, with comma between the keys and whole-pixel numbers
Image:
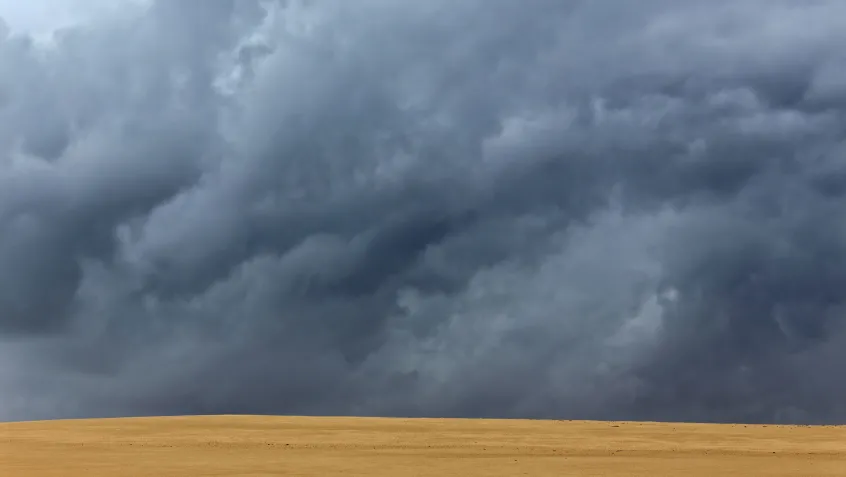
[{"x": 326, "y": 446}]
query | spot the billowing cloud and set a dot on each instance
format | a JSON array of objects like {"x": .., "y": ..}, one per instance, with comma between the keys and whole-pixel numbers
[{"x": 544, "y": 208}]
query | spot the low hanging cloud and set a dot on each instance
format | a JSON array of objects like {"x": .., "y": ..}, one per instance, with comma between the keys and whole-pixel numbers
[{"x": 544, "y": 208}]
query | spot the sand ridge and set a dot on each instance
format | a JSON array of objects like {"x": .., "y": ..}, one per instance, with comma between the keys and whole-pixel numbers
[{"x": 326, "y": 446}]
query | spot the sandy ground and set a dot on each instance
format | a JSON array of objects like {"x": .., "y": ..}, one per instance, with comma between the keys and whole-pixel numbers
[{"x": 303, "y": 446}]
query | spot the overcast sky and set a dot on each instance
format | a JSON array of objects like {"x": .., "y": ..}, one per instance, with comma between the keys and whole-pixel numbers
[{"x": 534, "y": 208}]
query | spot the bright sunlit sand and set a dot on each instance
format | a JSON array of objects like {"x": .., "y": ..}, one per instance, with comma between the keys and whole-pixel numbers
[{"x": 326, "y": 446}]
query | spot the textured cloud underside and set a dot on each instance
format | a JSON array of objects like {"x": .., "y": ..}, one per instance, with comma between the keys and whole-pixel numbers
[{"x": 542, "y": 208}]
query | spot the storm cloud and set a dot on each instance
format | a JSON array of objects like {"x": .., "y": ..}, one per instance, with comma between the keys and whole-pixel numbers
[{"x": 536, "y": 208}]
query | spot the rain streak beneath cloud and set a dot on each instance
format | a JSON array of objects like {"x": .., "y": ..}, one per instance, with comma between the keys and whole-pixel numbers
[{"x": 535, "y": 208}]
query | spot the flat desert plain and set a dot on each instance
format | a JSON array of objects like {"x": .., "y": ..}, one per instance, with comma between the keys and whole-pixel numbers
[{"x": 328, "y": 446}]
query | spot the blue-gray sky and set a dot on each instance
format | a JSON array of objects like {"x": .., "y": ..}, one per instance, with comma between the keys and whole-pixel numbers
[{"x": 534, "y": 208}]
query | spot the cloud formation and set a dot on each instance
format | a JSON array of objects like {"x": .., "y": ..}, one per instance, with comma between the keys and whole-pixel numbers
[{"x": 542, "y": 208}]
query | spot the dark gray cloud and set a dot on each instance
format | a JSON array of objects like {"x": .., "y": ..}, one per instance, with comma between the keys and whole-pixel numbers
[{"x": 546, "y": 208}]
